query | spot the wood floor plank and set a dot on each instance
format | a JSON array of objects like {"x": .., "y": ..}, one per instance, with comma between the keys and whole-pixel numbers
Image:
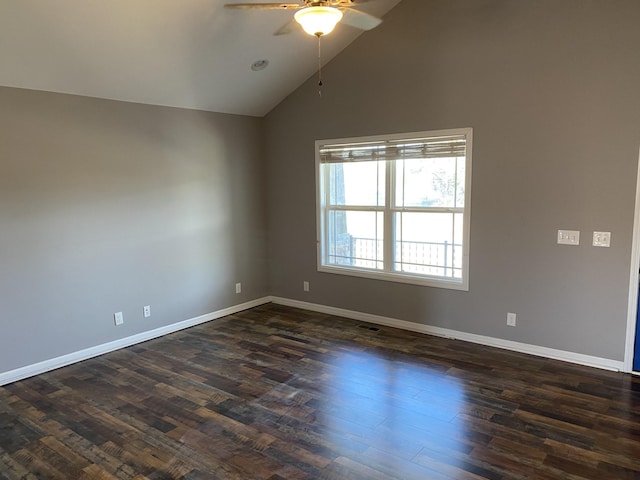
[{"x": 278, "y": 393}]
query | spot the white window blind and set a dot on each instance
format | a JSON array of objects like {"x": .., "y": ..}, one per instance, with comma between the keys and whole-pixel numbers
[{"x": 434, "y": 147}]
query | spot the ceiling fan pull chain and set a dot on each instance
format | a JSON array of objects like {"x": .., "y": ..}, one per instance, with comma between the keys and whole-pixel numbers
[{"x": 319, "y": 68}]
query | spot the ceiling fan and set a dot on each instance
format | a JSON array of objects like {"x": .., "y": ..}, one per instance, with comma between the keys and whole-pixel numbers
[{"x": 318, "y": 17}]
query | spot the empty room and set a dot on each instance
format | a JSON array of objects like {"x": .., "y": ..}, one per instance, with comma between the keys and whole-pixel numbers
[{"x": 336, "y": 239}]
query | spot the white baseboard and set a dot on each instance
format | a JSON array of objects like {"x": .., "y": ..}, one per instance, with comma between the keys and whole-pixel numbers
[
  {"x": 51, "y": 364},
  {"x": 57, "y": 362},
  {"x": 571, "y": 357}
]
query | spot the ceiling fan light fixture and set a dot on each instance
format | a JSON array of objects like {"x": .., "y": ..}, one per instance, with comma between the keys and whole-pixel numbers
[{"x": 318, "y": 21}]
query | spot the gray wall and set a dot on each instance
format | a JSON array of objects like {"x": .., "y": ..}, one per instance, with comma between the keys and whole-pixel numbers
[
  {"x": 108, "y": 206},
  {"x": 551, "y": 90}
]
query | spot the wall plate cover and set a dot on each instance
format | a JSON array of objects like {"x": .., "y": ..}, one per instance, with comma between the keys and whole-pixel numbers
[
  {"x": 569, "y": 237},
  {"x": 601, "y": 239}
]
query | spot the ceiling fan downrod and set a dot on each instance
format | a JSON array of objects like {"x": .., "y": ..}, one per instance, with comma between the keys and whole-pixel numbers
[{"x": 319, "y": 66}]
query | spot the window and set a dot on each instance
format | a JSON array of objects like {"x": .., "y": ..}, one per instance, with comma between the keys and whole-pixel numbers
[{"x": 396, "y": 207}]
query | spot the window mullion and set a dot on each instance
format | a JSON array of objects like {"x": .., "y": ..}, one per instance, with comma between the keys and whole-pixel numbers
[
  {"x": 326, "y": 209},
  {"x": 389, "y": 235},
  {"x": 453, "y": 222},
  {"x": 355, "y": 208}
]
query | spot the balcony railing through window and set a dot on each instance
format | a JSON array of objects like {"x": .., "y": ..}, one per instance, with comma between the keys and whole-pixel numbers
[{"x": 425, "y": 258}]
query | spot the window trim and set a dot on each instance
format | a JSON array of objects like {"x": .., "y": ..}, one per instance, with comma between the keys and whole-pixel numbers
[{"x": 408, "y": 278}]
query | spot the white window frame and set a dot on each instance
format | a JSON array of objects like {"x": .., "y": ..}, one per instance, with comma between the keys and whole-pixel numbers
[{"x": 388, "y": 274}]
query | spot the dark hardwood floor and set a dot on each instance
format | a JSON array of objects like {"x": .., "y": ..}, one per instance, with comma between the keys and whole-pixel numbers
[{"x": 280, "y": 393}]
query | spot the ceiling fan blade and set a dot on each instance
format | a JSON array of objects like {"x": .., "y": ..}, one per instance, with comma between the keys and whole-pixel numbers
[
  {"x": 263, "y": 6},
  {"x": 359, "y": 19},
  {"x": 287, "y": 28}
]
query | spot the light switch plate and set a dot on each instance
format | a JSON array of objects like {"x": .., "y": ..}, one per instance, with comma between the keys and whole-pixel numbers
[
  {"x": 601, "y": 239},
  {"x": 569, "y": 237}
]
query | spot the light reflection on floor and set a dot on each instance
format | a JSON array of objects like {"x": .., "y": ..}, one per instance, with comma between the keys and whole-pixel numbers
[{"x": 389, "y": 407}]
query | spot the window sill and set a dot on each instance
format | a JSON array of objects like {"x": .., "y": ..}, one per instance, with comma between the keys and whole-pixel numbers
[{"x": 437, "y": 282}]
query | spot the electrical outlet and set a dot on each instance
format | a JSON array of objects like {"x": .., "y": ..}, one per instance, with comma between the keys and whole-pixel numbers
[
  {"x": 511, "y": 319},
  {"x": 146, "y": 311},
  {"x": 118, "y": 318},
  {"x": 238, "y": 287},
  {"x": 305, "y": 286},
  {"x": 601, "y": 239}
]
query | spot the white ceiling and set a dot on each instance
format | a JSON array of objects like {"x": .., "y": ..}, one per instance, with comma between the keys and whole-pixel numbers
[{"x": 182, "y": 53}]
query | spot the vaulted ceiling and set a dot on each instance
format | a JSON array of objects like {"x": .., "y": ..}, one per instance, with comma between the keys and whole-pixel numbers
[{"x": 183, "y": 53}]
